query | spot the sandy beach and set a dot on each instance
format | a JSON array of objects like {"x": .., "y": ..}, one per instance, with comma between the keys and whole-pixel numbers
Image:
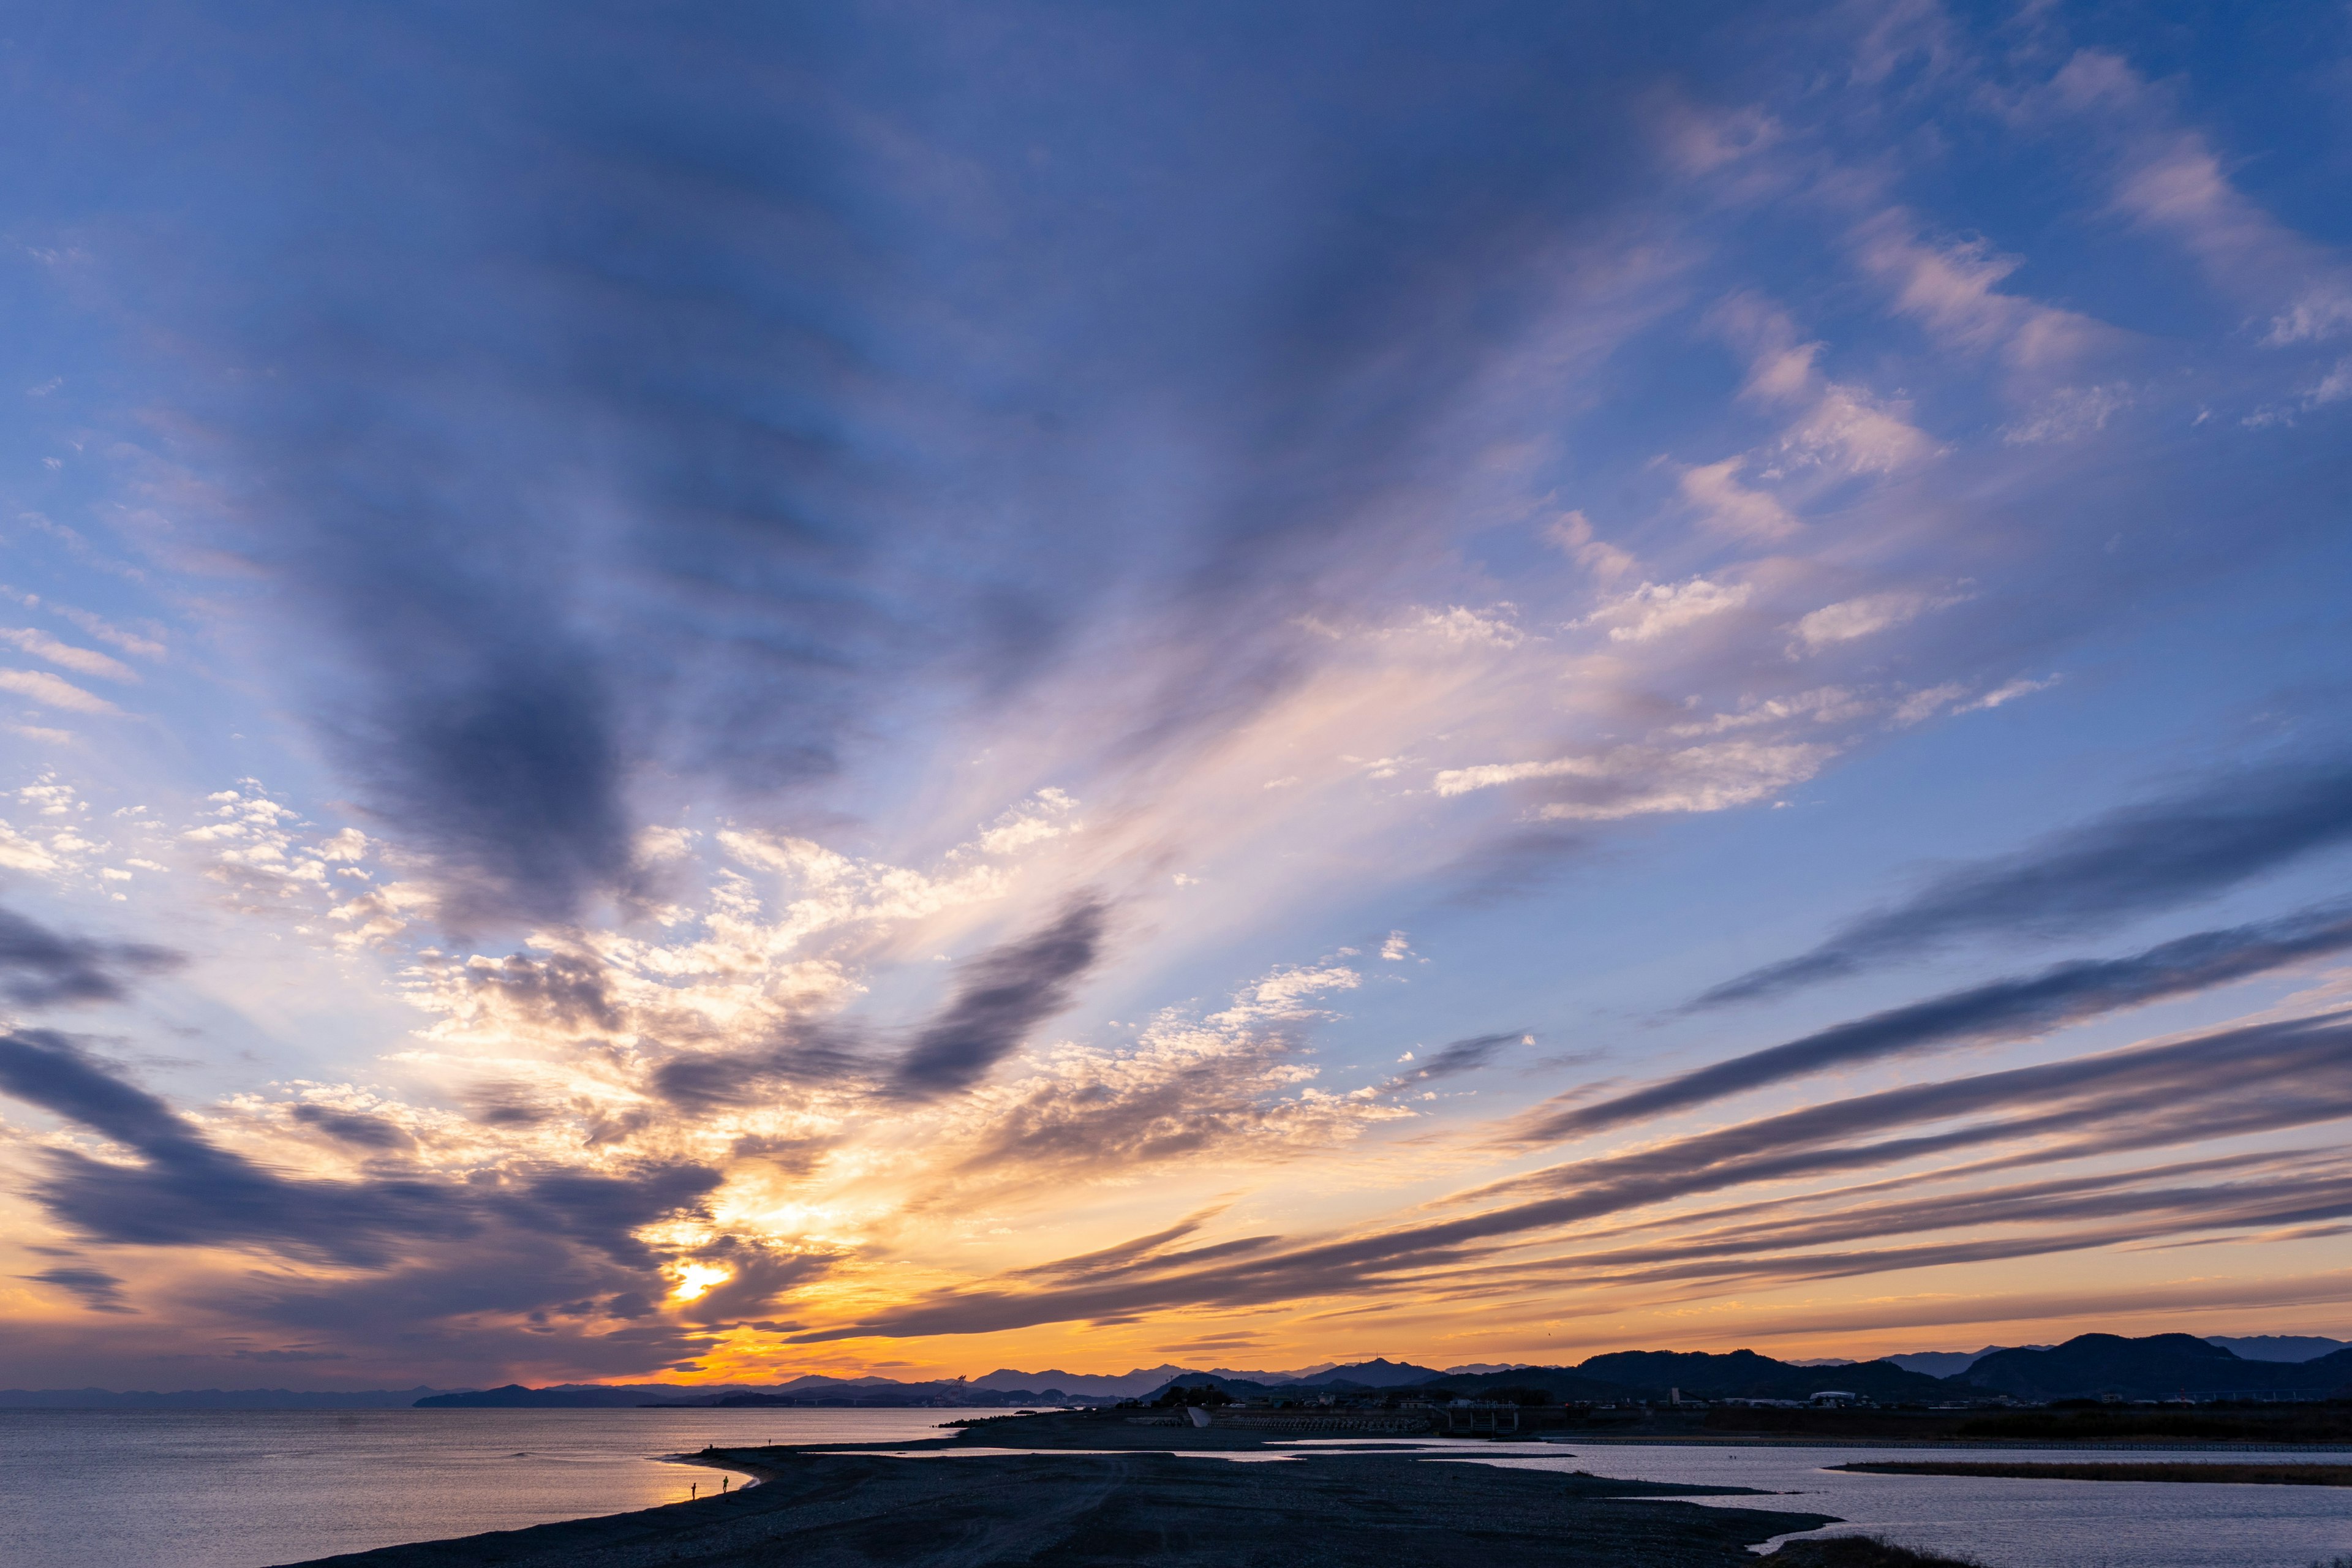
[{"x": 1144, "y": 1494}]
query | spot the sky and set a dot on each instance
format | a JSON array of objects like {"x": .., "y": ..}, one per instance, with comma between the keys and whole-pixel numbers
[{"x": 704, "y": 693}]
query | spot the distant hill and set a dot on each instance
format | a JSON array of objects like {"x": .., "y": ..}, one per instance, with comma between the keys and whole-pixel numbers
[
  {"x": 2277, "y": 1347},
  {"x": 1127, "y": 1384},
  {"x": 2158, "y": 1366},
  {"x": 515, "y": 1396},
  {"x": 1565, "y": 1385},
  {"x": 1744, "y": 1374},
  {"x": 1374, "y": 1374},
  {"x": 212, "y": 1399},
  {"x": 1624, "y": 1376},
  {"x": 1948, "y": 1363},
  {"x": 1119, "y": 1386}
]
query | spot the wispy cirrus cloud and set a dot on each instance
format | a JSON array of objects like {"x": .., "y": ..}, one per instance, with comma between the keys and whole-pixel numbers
[
  {"x": 2111, "y": 1101},
  {"x": 2137, "y": 860},
  {"x": 2013, "y": 1009},
  {"x": 1641, "y": 781}
]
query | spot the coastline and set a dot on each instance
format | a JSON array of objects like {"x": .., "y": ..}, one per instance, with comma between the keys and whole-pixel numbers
[
  {"x": 1955, "y": 1445},
  {"x": 1086, "y": 1489},
  {"x": 1121, "y": 1494}
]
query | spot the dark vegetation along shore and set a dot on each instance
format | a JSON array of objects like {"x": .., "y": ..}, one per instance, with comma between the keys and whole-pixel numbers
[{"x": 1112, "y": 1499}]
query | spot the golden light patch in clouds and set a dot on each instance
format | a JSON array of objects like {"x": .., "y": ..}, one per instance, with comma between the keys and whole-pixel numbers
[{"x": 694, "y": 1280}]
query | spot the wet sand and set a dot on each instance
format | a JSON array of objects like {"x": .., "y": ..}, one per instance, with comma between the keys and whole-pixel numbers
[{"x": 842, "y": 1506}]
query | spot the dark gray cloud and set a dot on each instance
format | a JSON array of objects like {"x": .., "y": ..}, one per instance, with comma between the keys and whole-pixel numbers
[
  {"x": 2003, "y": 1010},
  {"x": 2117, "y": 868},
  {"x": 53, "y": 1071},
  {"x": 1000, "y": 997},
  {"x": 507, "y": 1294},
  {"x": 758, "y": 1276},
  {"x": 711, "y": 1080},
  {"x": 39, "y": 967},
  {"x": 347, "y": 1127},
  {"x": 600, "y": 1211},
  {"x": 1467, "y": 1054},
  {"x": 511, "y": 775},
  {"x": 97, "y": 1290},
  {"x": 2245, "y": 1081},
  {"x": 560, "y": 988},
  {"x": 185, "y": 1192}
]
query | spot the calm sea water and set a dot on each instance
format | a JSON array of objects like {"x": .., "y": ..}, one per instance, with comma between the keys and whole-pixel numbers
[
  {"x": 2005, "y": 1523},
  {"x": 249, "y": 1489},
  {"x": 202, "y": 1488}
]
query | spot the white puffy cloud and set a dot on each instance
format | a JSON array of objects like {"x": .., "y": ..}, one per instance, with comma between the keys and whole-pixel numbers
[
  {"x": 1861, "y": 617},
  {"x": 1656, "y": 609},
  {"x": 2333, "y": 387},
  {"x": 1572, "y": 533},
  {"x": 1926, "y": 702},
  {"x": 1950, "y": 288},
  {"x": 1823, "y": 705},
  {"x": 2008, "y": 691},
  {"x": 1468, "y": 628},
  {"x": 1284, "y": 993},
  {"x": 2069, "y": 414},
  {"x": 2168, "y": 178},
  {"x": 22, "y": 852},
  {"x": 1954, "y": 698},
  {"x": 1713, "y": 490},
  {"x": 1640, "y": 781},
  {"x": 1849, "y": 433},
  {"x": 65, "y": 655},
  {"x": 1697, "y": 779},
  {"x": 51, "y": 692},
  {"x": 1046, "y": 814}
]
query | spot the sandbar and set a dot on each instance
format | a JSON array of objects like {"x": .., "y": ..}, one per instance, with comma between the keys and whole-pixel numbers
[{"x": 1159, "y": 1495}]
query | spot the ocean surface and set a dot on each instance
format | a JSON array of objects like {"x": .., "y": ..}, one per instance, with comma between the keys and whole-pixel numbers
[
  {"x": 242, "y": 1489},
  {"x": 252, "y": 1489},
  {"x": 2011, "y": 1523}
]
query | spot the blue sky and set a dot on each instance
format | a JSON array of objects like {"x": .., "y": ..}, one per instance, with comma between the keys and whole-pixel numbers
[{"x": 924, "y": 688}]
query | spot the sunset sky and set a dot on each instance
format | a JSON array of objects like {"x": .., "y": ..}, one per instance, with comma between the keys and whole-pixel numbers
[{"x": 711, "y": 692}]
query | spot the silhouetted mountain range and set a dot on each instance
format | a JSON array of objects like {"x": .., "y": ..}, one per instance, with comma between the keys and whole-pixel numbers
[
  {"x": 1950, "y": 1363},
  {"x": 2250, "y": 1347},
  {"x": 2091, "y": 1366},
  {"x": 1624, "y": 1376},
  {"x": 2161, "y": 1366},
  {"x": 2276, "y": 1347},
  {"x": 212, "y": 1399}
]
